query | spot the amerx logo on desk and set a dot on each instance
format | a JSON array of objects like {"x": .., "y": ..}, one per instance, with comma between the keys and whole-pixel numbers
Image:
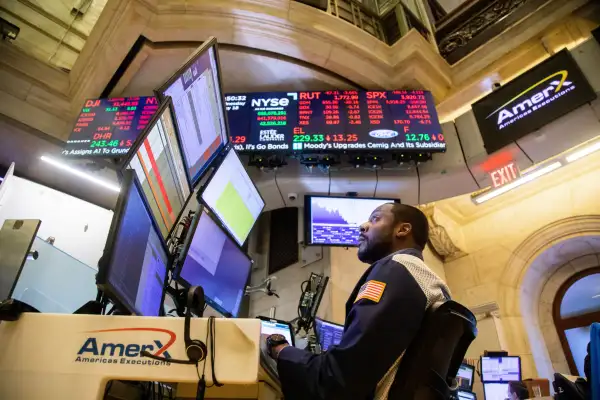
[{"x": 107, "y": 346}]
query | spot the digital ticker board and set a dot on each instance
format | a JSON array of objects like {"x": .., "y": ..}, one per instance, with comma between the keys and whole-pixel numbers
[
  {"x": 337, "y": 120},
  {"x": 108, "y": 127}
]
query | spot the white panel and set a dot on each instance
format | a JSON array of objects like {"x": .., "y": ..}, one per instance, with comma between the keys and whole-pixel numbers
[
  {"x": 446, "y": 175},
  {"x": 587, "y": 56},
  {"x": 399, "y": 184},
  {"x": 569, "y": 130},
  {"x": 359, "y": 180}
]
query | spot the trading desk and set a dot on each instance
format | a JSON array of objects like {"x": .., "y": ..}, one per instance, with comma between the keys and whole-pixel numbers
[{"x": 58, "y": 356}]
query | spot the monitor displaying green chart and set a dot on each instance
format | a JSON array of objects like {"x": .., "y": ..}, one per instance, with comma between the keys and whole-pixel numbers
[{"x": 233, "y": 198}]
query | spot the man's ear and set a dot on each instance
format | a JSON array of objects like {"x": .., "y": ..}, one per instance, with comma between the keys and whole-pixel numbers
[{"x": 403, "y": 229}]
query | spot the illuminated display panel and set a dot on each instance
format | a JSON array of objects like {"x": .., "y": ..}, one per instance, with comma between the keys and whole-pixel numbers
[
  {"x": 107, "y": 128},
  {"x": 198, "y": 108},
  {"x": 156, "y": 159},
  {"x": 335, "y": 221},
  {"x": 340, "y": 120}
]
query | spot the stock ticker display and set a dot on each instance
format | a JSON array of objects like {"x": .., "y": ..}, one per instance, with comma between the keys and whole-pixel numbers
[
  {"x": 109, "y": 127},
  {"x": 338, "y": 120}
]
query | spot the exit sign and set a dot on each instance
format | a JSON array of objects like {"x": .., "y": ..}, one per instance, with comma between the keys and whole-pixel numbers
[{"x": 505, "y": 174}]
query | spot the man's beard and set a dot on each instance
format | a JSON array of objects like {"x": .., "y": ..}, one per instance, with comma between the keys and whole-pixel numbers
[{"x": 370, "y": 251}]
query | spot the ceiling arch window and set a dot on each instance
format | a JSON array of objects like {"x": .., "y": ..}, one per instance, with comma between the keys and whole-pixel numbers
[{"x": 576, "y": 307}]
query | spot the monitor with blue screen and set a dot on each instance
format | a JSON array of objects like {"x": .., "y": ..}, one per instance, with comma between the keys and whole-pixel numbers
[
  {"x": 465, "y": 395},
  {"x": 216, "y": 262},
  {"x": 500, "y": 369},
  {"x": 133, "y": 268},
  {"x": 465, "y": 376},
  {"x": 335, "y": 220},
  {"x": 328, "y": 333}
]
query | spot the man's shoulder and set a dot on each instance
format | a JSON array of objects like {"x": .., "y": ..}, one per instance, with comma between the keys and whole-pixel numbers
[{"x": 434, "y": 287}]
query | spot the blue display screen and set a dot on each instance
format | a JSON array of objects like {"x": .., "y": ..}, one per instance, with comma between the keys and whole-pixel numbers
[
  {"x": 215, "y": 262},
  {"x": 329, "y": 334},
  {"x": 139, "y": 260},
  {"x": 500, "y": 369},
  {"x": 337, "y": 220},
  {"x": 337, "y": 120}
]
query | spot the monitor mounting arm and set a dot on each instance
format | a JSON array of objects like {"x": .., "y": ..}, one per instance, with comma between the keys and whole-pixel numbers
[{"x": 264, "y": 287}]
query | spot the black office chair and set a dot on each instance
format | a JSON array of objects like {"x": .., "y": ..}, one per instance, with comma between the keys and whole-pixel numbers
[{"x": 429, "y": 366}]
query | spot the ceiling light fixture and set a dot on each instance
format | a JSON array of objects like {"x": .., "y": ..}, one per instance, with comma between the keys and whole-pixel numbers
[
  {"x": 586, "y": 151},
  {"x": 80, "y": 174},
  {"x": 490, "y": 194}
]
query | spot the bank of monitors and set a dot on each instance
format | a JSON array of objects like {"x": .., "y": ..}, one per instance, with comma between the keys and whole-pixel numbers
[
  {"x": 199, "y": 108},
  {"x": 232, "y": 196},
  {"x": 159, "y": 166},
  {"x": 213, "y": 260},
  {"x": 500, "y": 369},
  {"x": 328, "y": 333},
  {"x": 335, "y": 220},
  {"x": 133, "y": 268}
]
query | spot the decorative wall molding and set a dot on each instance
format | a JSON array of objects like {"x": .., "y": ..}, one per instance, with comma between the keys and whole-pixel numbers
[{"x": 439, "y": 237}]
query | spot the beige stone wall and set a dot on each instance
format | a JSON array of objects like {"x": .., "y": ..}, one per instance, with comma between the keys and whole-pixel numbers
[{"x": 503, "y": 245}]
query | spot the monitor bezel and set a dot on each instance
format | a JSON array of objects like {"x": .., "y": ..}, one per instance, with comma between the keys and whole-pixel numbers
[
  {"x": 210, "y": 179},
  {"x": 211, "y": 42},
  {"x": 482, "y": 375},
  {"x": 324, "y": 320},
  {"x": 168, "y": 104},
  {"x": 308, "y": 223},
  {"x": 105, "y": 263},
  {"x": 183, "y": 256}
]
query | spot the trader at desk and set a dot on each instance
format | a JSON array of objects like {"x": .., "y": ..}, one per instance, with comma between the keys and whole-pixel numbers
[{"x": 383, "y": 315}]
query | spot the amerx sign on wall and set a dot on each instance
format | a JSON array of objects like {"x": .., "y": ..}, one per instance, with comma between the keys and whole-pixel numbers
[{"x": 550, "y": 90}]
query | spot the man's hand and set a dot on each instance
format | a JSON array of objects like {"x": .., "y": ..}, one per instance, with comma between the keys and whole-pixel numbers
[{"x": 276, "y": 343}]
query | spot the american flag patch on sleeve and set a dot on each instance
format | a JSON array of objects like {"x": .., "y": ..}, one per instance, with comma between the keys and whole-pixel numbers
[{"x": 371, "y": 290}]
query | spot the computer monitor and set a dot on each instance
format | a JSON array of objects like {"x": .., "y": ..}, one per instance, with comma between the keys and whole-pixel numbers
[
  {"x": 495, "y": 391},
  {"x": 500, "y": 369},
  {"x": 232, "y": 196},
  {"x": 213, "y": 260},
  {"x": 199, "y": 108},
  {"x": 156, "y": 159},
  {"x": 465, "y": 395},
  {"x": 328, "y": 333},
  {"x": 133, "y": 269},
  {"x": 336, "y": 220},
  {"x": 465, "y": 376}
]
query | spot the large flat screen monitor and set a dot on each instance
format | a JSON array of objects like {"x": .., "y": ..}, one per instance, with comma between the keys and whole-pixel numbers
[
  {"x": 500, "y": 369},
  {"x": 328, "y": 333},
  {"x": 214, "y": 261},
  {"x": 335, "y": 221},
  {"x": 133, "y": 268},
  {"x": 199, "y": 108},
  {"x": 495, "y": 391},
  {"x": 156, "y": 159},
  {"x": 232, "y": 196}
]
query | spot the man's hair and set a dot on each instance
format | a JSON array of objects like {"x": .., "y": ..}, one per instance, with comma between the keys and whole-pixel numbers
[{"x": 415, "y": 217}]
